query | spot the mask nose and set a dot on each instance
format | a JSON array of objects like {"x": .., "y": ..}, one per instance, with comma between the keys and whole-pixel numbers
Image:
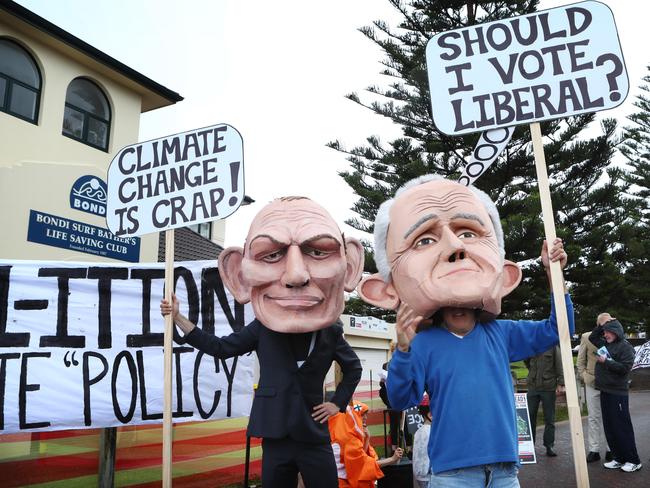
[
  {"x": 296, "y": 273},
  {"x": 454, "y": 247}
]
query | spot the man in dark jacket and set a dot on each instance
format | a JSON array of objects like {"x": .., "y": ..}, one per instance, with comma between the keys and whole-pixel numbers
[
  {"x": 615, "y": 359},
  {"x": 545, "y": 379},
  {"x": 294, "y": 268}
]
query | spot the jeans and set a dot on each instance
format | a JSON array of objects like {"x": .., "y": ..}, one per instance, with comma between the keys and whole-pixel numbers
[{"x": 499, "y": 475}]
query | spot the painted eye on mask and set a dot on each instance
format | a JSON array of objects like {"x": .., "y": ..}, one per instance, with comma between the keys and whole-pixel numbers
[
  {"x": 316, "y": 253},
  {"x": 425, "y": 241},
  {"x": 275, "y": 256}
]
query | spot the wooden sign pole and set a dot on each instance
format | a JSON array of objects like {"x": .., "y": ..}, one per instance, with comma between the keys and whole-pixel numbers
[
  {"x": 167, "y": 376},
  {"x": 575, "y": 419}
]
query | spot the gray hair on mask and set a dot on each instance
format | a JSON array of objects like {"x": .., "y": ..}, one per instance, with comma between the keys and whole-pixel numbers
[{"x": 382, "y": 221}]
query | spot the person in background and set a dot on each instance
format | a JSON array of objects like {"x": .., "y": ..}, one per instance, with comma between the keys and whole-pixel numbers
[
  {"x": 421, "y": 468},
  {"x": 614, "y": 362},
  {"x": 545, "y": 380},
  {"x": 586, "y": 364},
  {"x": 357, "y": 463}
]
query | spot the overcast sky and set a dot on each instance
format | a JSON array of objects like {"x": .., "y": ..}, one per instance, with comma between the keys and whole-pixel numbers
[{"x": 277, "y": 72}]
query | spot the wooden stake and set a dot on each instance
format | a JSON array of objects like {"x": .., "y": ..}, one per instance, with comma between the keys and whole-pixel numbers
[
  {"x": 167, "y": 376},
  {"x": 575, "y": 419}
]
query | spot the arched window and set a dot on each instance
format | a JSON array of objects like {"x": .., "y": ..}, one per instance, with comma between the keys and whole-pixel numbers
[
  {"x": 87, "y": 116},
  {"x": 20, "y": 82}
]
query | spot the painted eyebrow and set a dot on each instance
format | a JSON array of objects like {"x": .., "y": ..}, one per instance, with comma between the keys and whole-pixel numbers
[
  {"x": 420, "y": 221},
  {"x": 266, "y": 236},
  {"x": 306, "y": 242},
  {"x": 426, "y": 218}
]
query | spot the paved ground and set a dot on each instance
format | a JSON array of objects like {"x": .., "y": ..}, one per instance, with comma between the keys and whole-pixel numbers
[{"x": 559, "y": 472}]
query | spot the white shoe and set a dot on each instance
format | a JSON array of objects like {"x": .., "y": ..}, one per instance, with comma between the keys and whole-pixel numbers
[
  {"x": 631, "y": 468},
  {"x": 613, "y": 464}
]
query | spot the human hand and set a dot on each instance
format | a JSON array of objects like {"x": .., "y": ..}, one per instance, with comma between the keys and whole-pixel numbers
[
  {"x": 397, "y": 455},
  {"x": 324, "y": 411},
  {"x": 407, "y": 321},
  {"x": 166, "y": 308},
  {"x": 560, "y": 389},
  {"x": 601, "y": 359},
  {"x": 555, "y": 254}
]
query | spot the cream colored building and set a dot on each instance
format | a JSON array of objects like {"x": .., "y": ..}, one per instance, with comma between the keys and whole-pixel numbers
[{"x": 65, "y": 109}]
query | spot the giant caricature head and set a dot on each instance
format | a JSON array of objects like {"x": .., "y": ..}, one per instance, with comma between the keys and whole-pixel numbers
[
  {"x": 294, "y": 267},
  {"x": 439, "y": 244}
]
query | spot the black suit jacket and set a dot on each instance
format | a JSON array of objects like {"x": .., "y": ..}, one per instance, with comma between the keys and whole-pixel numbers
[{"x": 286, "y": 394}]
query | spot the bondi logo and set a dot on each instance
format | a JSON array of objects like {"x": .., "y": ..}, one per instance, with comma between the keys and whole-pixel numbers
[{"x": 88, "y": 194}]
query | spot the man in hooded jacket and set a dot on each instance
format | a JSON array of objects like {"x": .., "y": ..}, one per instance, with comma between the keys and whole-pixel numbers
[{"x": 615, "y": 359}]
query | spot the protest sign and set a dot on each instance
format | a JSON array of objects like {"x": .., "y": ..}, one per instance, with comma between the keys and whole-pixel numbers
[
  {"x": 413, "y": 420},
  {"x": 642, "y": 356},
  {"x": 81, "y": 346},
  {"x": 525, "y": 443},
  {"x": 175, "y": 181},
  {"x": 489, "y": 146},
  {"x": 545, "y": 65}
]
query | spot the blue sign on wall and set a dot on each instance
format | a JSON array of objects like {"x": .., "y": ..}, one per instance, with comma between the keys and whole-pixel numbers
[
  {"x": 78, "y": 236},
  {"x": 88, "y": 194}
]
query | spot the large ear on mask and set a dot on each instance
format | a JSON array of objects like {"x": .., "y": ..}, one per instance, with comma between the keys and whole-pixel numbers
[
  {"x": 511, "y": 277},
  {"x": 354, "y": 267},
  {"x": 374, "y": 290},
  {"x": 230, "y": 261}
]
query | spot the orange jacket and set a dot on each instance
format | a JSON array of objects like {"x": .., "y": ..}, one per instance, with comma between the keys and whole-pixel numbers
[{"x": 357, "y": 467}]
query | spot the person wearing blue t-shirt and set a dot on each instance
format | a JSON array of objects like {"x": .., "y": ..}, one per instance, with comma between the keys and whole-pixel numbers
[{"x": 439, "y": 252}]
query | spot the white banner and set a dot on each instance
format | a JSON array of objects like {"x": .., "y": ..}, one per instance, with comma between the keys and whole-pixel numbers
[
  {"x": 642, "y": 356},
  {"x": 541, "y": 66},
  {"x": 81, "y": 346}
]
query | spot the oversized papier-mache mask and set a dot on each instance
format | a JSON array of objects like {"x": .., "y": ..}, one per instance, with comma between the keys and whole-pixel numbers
[
  {"x": 439, "y": 244},
  {"x": 294, "y": 267}
]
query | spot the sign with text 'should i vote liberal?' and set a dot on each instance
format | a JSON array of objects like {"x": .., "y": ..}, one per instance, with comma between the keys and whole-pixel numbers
[
  {"x": 175, "y": 181},
  {"x": 541, "y": 66}
]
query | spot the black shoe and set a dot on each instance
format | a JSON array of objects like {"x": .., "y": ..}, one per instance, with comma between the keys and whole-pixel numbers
[
  {"x": 550, "y": 452},
  {"x": 593, "y": 456},
  {"x": 608, "y": 456}
]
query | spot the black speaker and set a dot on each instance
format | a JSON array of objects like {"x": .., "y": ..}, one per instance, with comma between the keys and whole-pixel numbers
[{"x": 397, "y": 475}]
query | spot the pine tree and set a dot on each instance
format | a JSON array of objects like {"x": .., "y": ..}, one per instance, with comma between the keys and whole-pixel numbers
[
  {"x": 584, "y": 190},
  {"x": 636, "y": 253}
]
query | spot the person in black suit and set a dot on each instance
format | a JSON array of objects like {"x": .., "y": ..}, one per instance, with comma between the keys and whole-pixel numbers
[{"x": 294, "y": 269}]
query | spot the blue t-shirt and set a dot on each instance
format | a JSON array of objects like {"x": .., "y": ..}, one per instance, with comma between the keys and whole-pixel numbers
[{"x": 470, "y": 386}]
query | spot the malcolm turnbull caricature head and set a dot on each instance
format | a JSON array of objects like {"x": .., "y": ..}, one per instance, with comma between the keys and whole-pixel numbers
[
  {"x": 439, "y": 244},
  {"x": 294, "y": 267}
]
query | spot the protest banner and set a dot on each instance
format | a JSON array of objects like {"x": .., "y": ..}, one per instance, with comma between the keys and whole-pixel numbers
[
  {"x": 541, "y": 66},
  {"x": 171, "y": 182},
  {"x": 81, "y": 346},
  {"x": 414, "y": 420},
  {"x": 525, "y": 442},
  {"x": 642, "y": 356}
]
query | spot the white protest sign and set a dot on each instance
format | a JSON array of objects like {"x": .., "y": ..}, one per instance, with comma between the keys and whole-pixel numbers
[
  {"x": 546, "y": 65},
  {"x": 81, "y": 346},
  {"x": 489, "y": 146},
  {"x": 642, "y": 356},
  {"x": 175, "y": 181}
]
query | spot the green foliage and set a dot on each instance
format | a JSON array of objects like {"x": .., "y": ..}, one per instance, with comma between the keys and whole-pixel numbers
[
  {"x": 636, "y": 234},
  {"x": 587, "y": 193}
]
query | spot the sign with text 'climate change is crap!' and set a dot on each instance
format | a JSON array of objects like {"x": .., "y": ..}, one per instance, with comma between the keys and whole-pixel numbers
[
  {"x": 541, "y": 66},
  {"x": 175, "y": 181}
]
